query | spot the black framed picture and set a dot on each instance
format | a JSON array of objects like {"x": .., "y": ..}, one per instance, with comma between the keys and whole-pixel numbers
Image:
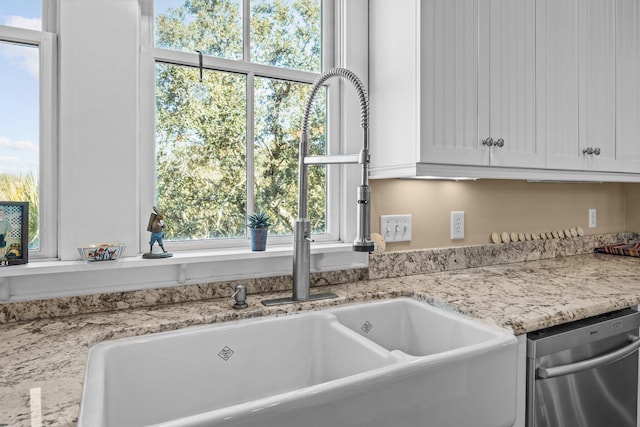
[{"x": 14, "y": 233}]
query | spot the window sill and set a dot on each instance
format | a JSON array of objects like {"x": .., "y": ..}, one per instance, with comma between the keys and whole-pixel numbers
[{"x": 49, "y": 279}]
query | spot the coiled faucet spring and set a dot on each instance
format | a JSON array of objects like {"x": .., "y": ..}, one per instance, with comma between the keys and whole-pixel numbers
[{"x": 357, "y": 84}]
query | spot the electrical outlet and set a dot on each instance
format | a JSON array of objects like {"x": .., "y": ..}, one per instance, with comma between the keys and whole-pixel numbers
[
  {"x": 592, "y": 218},
  {"x": 395, "y": 228},
  {"x": 457, "y": 225}
]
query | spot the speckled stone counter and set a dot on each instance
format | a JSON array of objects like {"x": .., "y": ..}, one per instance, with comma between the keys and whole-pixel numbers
[{"x": 50, "y": 355}]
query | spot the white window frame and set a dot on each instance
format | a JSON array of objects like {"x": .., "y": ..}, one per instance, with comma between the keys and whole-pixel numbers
[
  {"x": 46, "y": 42},
  {"x": 71, "y": 277},
  {"x": 151, "y": 55}
]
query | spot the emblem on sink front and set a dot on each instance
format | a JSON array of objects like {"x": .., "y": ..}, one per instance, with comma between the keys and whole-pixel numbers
[
  {"x": 226, "y": 353},
  {"x": 366, "y": 327}
]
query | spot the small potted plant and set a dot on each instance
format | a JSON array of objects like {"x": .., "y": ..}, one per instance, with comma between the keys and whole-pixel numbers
[{"x": 259, "y": 228}]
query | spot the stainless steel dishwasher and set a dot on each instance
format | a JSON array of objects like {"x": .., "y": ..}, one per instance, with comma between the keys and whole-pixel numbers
[{"x": 584, "y": 373}]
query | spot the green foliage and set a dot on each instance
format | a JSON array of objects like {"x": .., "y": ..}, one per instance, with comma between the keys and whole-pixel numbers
[
  {"x": 286, "y": 34},
  {"x": 201, "y": 131},
  {"x": 259, "y": 220},
  {"x": 23, "y": 188},
  {"x": 213, "y": 27},
  {"x": 279, "y": 111},
  {"x": 201, "y": 153}
]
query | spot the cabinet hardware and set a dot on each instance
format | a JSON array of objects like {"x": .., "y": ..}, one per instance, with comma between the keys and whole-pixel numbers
[
  {"x": 590, "y": 151},
  {"x": 489, "y": 142}
]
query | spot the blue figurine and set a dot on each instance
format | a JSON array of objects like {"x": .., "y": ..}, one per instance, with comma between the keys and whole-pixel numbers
[{"x": 156, "y": 227}]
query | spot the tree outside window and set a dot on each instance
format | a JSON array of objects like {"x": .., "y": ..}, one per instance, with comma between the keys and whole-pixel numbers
[{"x": 208, "y": 177}]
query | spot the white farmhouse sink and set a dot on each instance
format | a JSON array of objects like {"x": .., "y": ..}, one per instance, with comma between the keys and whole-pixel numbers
[
  {"x": 166, "y": 376},
  {"x": 309, "y": 370},
  {"x": 413, "y": 327}
]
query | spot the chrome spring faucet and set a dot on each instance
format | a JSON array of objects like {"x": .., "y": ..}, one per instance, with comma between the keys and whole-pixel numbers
[{"x": 302, "y": 231}]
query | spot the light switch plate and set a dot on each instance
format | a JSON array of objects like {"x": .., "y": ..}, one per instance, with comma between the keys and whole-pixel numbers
[{"x": 395, "y": 228}]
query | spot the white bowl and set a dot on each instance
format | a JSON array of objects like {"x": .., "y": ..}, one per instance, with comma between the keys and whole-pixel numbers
[{"x": 101, "y": 252}]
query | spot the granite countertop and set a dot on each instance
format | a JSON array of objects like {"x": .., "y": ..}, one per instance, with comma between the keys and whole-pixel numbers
[{"x": 48, "y": 357}]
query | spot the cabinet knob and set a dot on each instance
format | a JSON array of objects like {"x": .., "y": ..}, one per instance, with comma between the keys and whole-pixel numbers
[
  {"x": 590, "y": 150},
  {"x": 500, "y": 143},
  {"x": 488, "y": 142}
]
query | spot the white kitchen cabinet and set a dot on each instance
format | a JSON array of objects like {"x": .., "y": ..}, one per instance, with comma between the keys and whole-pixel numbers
[
  {"x": 446, "y": 75},
  {"x": 512, "y": 115},
  {"x": 628, "y": 83},
  {"x": 555, "y": 81},
  {"x": 451, "y": 80},
  {"x": 588, "y": 63},
  {"x": 577, "y": 84},
  {"x": 597, "y": 79}
]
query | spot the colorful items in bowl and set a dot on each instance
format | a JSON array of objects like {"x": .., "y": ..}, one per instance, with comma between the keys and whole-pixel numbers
[{"x": 101, "y": 252}]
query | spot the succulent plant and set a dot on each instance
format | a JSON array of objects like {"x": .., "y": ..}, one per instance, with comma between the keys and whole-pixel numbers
[{"x": 259, "y": 220}]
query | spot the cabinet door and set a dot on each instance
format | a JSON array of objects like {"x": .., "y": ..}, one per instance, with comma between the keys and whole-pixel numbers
[
  {"x": 512, "y": 85},
  {"x": 557, "y": 82},
  {"x": 454, "y": 117},
  {"x": 577, "y": 83},
  {"x": 628, "y": 83},
  {"x": 597, "y": 80}
]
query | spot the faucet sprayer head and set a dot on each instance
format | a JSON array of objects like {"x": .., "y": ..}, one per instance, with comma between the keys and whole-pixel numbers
[
  {"x": 363, "y": 246},
  {"x": 363, "y": 242}
]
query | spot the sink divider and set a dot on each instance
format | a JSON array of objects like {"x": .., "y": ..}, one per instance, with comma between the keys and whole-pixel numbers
[{"x": 395, "y": 355}]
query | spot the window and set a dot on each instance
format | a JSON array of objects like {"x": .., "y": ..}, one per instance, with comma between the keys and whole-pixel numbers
[
  {"x": 26, "y": 119},
  {"x": 231, "y": 80}
]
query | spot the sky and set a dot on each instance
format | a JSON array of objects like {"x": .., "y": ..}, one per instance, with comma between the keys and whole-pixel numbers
[{"x": 19, "y": 87}]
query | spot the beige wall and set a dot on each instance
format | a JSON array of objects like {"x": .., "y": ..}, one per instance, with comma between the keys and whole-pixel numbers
[
  {"x": 501, "y": 205},
  {"x": 632, "y": 207}
]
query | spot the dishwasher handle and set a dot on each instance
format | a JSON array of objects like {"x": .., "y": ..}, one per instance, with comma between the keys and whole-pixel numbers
[{"x": 584, "y": 365}]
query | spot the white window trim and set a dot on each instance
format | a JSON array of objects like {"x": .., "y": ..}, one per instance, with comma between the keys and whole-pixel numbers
[
  {"x": 48, "y": 152},
  {"x": 151, "y": 55},
  {"x": 48, "y": 279},
  {"x": 57, "y": 279}
]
